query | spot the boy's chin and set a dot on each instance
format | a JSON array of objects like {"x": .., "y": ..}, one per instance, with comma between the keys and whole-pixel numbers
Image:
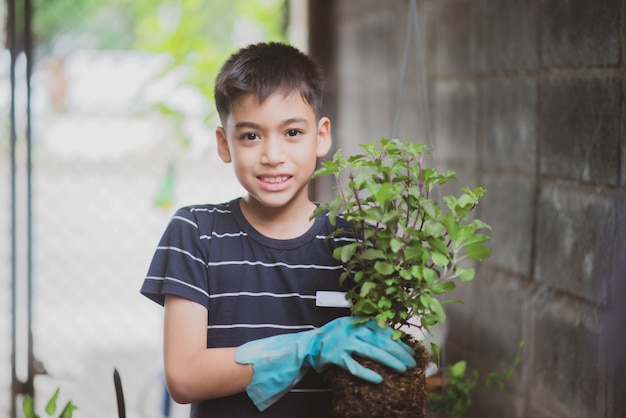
[{"x": 275, "y": 201}]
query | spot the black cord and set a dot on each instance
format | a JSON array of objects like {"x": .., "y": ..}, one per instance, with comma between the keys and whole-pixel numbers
[{"x": 121, "y": 405}]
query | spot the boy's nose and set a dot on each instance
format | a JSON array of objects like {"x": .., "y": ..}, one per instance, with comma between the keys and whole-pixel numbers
[{"x": 272, "y": 152}]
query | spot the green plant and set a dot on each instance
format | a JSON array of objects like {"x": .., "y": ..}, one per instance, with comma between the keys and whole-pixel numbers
[
  {"x": 408, "y": 249},
  {"x": 50, "y": 409},
  {"x": 454, "y": 398}
]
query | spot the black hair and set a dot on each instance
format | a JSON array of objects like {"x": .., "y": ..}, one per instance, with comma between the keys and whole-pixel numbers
[{"x": 264, "y": 69}]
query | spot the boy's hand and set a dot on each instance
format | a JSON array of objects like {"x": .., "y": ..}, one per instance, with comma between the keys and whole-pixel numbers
[
  {"x": 280, "y": 361},
  {"x": 339, "y": 339}
]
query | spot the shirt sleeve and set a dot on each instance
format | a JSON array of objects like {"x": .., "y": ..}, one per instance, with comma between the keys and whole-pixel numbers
[{"x": 179, "y": 265}]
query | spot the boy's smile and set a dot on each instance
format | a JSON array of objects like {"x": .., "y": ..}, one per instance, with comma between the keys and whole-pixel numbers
[{"x": 274, "y": 146}]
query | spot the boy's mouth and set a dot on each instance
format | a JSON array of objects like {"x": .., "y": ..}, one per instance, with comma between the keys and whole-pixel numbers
[{"x": 274, "y": 180}]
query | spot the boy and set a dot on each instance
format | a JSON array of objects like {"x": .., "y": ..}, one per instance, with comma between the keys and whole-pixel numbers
[{"x": 248, "y": 285}]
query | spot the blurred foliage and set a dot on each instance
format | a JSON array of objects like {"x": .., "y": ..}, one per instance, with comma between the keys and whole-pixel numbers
[
  {"x": 156, "y": 25},
  {"x": 28, "y": 406},
  {"x": 197, "y": 35},
  {"x": 108, "y": 25},
  {"x": 201, "y": 34}
]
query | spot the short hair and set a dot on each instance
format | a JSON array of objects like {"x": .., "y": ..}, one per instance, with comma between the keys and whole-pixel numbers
[{"x": 266, "y": 68}]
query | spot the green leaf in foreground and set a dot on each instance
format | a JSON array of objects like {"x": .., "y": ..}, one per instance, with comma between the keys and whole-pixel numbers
[
  {"x": 28, "y": 406},
  {"x": 50, "y": 408}
]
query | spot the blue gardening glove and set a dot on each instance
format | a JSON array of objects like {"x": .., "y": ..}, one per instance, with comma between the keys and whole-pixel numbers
[{"x": 280, "y": 361}]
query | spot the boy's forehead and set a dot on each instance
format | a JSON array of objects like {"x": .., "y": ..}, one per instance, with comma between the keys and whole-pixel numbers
[
  {"x": 278, "y": 94},
  {"x": 293, "y": 100}
]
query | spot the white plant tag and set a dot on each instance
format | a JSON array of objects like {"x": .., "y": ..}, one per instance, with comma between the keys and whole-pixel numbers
[{"x": 328, "y": 299}]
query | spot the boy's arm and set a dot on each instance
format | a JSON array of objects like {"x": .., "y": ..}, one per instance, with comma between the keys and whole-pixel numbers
[
  {"x": 192, "y": 371},
  {"x": 267, "y": 368}
]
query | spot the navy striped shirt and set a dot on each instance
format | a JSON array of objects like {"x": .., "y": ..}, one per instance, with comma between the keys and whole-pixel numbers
[{"x": 252, "y": 286}]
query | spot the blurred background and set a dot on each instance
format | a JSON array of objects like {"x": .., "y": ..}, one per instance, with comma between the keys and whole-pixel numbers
[
  {"x": 108, "y": 126},
  {"x": 121, "y": 127}
]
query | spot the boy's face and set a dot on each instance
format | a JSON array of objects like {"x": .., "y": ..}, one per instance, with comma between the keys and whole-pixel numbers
[{"x": 274, "y": 147}]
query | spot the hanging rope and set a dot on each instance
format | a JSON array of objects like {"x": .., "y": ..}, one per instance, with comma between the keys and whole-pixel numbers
[{"x": 413, "y": 22}]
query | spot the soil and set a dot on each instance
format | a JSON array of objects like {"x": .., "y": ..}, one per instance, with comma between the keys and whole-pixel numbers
[{"x": 399, "y": 395}]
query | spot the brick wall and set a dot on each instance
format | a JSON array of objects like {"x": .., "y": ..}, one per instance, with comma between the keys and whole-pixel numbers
[{"x": 527, "y": 99}]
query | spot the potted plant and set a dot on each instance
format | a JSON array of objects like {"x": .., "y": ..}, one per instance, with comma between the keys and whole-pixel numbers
[{"x": 408, "y": 252}]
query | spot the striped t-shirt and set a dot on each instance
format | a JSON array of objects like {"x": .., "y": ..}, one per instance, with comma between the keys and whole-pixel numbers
[{"x": 253, "y": 287}]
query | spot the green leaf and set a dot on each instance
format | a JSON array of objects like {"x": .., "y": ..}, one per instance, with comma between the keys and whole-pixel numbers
[
  {"x": 385, "y": 304},
  {"x": 413, "y": 252},
  {"x": 451, "y": 202},
  {"x": 478, "y": 251},
  {"x": 425, "y": 300},
  {"x": 390, "y": 290},
  {"x": 507, "y": 375},
  {"x": 471, "y": 238},
  {"x": 439, "y": 259},
  {"x": 28, "y": 407},
  {"x": 328, "y": 167},
  {"x": 429, "y": 319},
  {"x": 395, "y": 245},
  {"x": 346, "y": 275},
  {"x": 347, "y": 251},
  {"x": 165, "y": 195},
  {"x": 406, "y": 274},
  {"x": 389, "y": 217},
  {"x": 51, "y": 406},
  {"x": 465, "y": 274},
  {"x": 466, "y": 200},
  {"x": 437, "y": 244},
  {"x": 433, "y": 229},
  {"x": 68, "y": 410},
  {"x": 439, "y": 288},
  {"x": 364, "y": 307},
  {"x": 461, "y": 233},
  {"x": 437, "y": 309},
  {"x": 429, "y": 274},
  {"x": 429, "y": 207},
  {"x": 477, "y": 192},
  {"x": 491, "y": 376},
  {"x": 383, "y": 268},
  {"x": 372, "y": 254},
  {"x": 397, "y": 334},
  {"x": 434, "y": 348},
  {"x": 384, "y": 192},
  {"x": 454, "y": 301},
  {"x": 367, "y": 288},
  {"x": 448, "y": 286},
  {"x": 458, "y": 368},
  {"x": 478, "y": 224},
  {"x": 416, "y": 271}
]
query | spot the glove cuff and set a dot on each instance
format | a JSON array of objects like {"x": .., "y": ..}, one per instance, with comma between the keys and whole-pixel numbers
[{"x": 278, "y": 363}]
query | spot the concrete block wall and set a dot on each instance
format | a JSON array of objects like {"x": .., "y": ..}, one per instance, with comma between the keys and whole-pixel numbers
[{"x": 527, "y": 99}]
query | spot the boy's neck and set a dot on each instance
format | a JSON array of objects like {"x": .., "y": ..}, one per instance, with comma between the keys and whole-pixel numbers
[{"x": 278, "y": 223}]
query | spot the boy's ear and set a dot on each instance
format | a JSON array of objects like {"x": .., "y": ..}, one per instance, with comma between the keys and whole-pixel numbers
[
  {"x": 324, "y": 139},
  {"x": 222, "y": 145}
]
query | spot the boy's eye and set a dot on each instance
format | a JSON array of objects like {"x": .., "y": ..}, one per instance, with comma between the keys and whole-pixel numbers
[
  {"x": 293, "y": 132},
  {"x": 250, "y": 136}
]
